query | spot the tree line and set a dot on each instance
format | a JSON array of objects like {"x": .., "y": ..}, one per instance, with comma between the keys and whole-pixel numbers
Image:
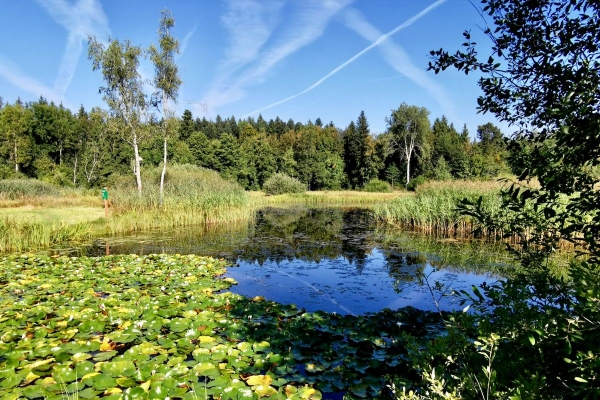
[
  {"x": 140, "y": 130},
  {"x": 47, "y": 141}
]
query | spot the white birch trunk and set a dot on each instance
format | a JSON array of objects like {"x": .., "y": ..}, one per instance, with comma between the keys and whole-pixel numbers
[
  {"x": 136, "y": 165},
  {"x": 164, "y": 170}
]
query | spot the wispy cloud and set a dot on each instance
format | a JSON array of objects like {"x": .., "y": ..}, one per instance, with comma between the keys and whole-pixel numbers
[
  {"x": 85, "y": 17},
  {"x": 249, "y": 24},
  {"x": 377, "y": 39},
  {"x": 186, "y": 40},
  {"x": 397, "y": 57},
  {"x": 12, "y": 74},
  {"x": 263, "y": 51}
]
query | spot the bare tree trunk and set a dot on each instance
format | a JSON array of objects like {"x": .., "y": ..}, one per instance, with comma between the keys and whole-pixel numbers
[
  {"x": 16, "y": 158},
  {"x": 75, "y": 170},
  {"x": 136, "y": 165},
  {"x": 407, "y": 170},
  {"x": 164, "y": 170}
]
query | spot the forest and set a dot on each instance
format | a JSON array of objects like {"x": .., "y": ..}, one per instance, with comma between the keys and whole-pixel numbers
[{"x": 88, "y": 149}]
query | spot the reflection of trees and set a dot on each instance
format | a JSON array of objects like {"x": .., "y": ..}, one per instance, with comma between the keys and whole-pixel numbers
[
  {"x": 314, "y": 234},
  {"x": 288, "y": 234},
  {"x": 405, "y": 267},
  {"x": 357, "y": 242},
  {"x": 472, "y": 256}
]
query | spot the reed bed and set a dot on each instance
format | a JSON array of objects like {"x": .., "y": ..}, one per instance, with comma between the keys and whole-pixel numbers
[
  {"x": 192, "y": 196},
  {"x": 12, "y": 189},
  {"x": 18, "y": 235},
  {"x": 433, "y": 208}
]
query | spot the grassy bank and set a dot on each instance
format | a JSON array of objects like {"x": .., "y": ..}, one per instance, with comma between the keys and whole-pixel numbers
[{"x": 37, "y": 215}]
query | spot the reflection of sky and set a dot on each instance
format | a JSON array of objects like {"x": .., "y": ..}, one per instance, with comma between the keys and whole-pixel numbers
[
  {"x": 319, "y": 259},
  {"x": 335, "y": 285}
]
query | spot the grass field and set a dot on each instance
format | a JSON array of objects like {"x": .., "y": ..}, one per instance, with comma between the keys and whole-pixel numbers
[{"x": 54, "y": 214}]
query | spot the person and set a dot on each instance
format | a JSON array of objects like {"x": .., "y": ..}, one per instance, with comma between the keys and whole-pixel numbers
[{"x": 105, "y": 198}]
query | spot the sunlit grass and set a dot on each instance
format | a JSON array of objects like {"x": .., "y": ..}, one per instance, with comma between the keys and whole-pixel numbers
[
  {"x": 433, "y": 208},
  {"x": 258, "y": 199},
  {"x": 21, "y": 235}
]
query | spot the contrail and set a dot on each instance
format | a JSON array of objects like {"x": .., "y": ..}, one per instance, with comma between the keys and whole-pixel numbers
[
  {"x": 319, "y": 292},
  {"x": 380, "y": 40}
]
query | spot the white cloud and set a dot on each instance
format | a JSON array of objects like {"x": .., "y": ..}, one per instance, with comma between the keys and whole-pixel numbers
[
  {"x": 249, "y": 24},
  {"x": 377, "y": 39},
  {"x": 82, "y": 19},
  {"x": 186, "y": 40},
  {"x": 400, "y": 61},
  {"x": 12, "y": 74},
  {"x": 264, "y": 50}
]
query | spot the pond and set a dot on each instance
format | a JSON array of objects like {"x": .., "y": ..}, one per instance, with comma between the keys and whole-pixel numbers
[{"x": 331, "y": 259}]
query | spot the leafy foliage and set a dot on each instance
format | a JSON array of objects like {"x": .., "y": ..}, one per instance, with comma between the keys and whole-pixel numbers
[
  {"x": 282, "y": 183},
  {"x": 375, "y": 185},
  {"x": 543, "y": 76}
]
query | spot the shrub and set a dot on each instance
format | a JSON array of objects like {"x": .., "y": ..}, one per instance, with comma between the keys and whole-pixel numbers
[
  {"x": 412, "y": 185},
  {"x": 281, "y": 183},
  {"x": 376, "y": 185}
]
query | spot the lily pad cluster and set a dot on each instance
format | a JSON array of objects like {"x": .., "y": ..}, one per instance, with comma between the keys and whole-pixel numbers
[{"x": 164, "y": 326}]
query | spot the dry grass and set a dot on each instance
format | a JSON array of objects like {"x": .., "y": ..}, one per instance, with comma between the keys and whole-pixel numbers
[{"x": 258, "y": 199}]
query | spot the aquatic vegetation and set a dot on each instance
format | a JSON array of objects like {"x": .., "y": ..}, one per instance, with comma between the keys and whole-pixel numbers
[
  {"x": 434, "y": 207},
  {"x": 161, "y": 326}
]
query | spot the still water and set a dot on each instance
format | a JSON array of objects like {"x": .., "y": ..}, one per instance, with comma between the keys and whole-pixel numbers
[{"x": 330, "y": 259}]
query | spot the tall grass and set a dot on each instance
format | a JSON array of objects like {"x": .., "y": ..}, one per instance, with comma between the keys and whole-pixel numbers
[
  {"x": 18, "y": 235},
  {"x": 192, "y": 196},
  {"x": 12, "y": 189},
  {"x": 38, "y": 194},
  {"x": 339, "y": 197},
  {"x": 433, "y": 208}
]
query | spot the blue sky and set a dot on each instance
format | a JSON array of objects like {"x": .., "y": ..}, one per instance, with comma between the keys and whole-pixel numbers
[{"x": 298, "y": 59}]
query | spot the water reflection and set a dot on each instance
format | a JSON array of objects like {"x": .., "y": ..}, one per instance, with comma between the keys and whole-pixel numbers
[{"x": 330, "y": 259}]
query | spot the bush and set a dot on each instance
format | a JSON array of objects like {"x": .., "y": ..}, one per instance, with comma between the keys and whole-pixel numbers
[
  {"x": 281, "y": 183},
  {"x": 375, "y": 185},
  {"x": 412, "y": 185},
  {"x": 20, "y": 188}
]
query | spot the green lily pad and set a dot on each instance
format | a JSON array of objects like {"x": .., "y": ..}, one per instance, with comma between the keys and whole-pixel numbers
[{"x": 103, "y": 382}]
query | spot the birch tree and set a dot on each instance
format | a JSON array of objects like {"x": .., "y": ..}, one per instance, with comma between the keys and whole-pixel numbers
[
  {"x": 123, "y": 92},
  {"x": 409, "y": 127},
  {"x": 166, "y": 81},
  {"x": 15, "y": 121}
]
